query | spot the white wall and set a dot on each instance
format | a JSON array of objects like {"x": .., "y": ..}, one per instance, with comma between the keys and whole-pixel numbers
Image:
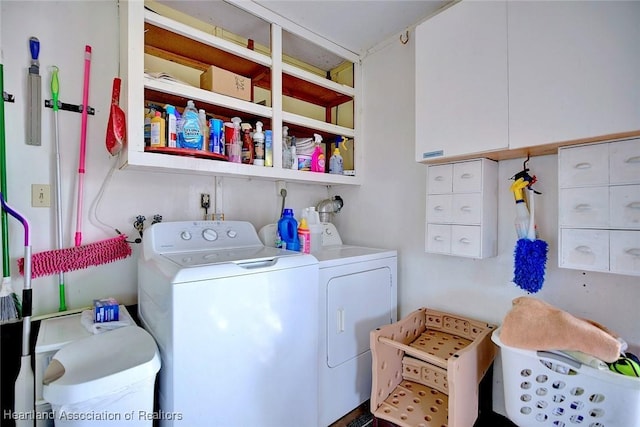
[{"x": 128, "y": 193}]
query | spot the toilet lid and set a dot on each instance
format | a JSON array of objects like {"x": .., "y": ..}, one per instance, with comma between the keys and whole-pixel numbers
[{"x": 100, "y": 364}]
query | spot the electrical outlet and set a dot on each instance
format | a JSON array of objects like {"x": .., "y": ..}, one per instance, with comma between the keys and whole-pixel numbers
[
  {"x": 205, "y": 201},
  {"x": 40, "y": 195},
  {"x": 280, "y": 185}
]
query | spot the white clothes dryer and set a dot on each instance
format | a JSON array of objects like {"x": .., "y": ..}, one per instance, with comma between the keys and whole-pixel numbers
[
  {"x": 357, "y": 294},
  {"x": 231, "y": 318}
]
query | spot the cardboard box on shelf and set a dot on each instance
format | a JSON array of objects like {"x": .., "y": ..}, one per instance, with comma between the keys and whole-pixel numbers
[{"x": 225, "y": 82}]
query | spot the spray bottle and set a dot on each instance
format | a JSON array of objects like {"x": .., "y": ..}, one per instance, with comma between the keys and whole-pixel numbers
[
  {"x": 317, "y": 158},
  {"x": 522, "y": 213},
  {"x": 235, "y": 150}
]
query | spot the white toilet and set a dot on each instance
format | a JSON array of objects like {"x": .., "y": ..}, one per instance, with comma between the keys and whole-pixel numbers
[{"x": 104, "y": 380}]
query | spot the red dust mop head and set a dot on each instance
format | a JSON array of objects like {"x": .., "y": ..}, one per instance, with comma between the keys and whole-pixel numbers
[{"x": 78, "y": 257}]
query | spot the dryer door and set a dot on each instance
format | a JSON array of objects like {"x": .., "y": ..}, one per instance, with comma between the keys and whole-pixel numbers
[{"x": 357, "y": 303}]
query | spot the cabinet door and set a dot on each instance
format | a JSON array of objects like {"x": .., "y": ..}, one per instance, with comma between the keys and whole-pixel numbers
[
  {"x": 439, "y": 179},
  {"x": 624, "y": 206},
  {"x": 465, "y": 241},
  {"x": 579, "y": 166},
  {"x": 573, "y": 70},
  {"x": 625, "y": 252},
  {"x": 438, "y": 238},
  {"x": 624, "y": 162},
  {"x": 461, "y": 81},
  {"x": 585, "y": 249},
  {"x": 584, "y": 207}
]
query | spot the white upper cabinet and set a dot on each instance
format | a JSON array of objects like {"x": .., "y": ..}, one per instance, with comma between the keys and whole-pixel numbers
[
  {"x": 505, "y": 79},
  {"x": 574, "y": 70},
  {"x": 461, "y": 81}
]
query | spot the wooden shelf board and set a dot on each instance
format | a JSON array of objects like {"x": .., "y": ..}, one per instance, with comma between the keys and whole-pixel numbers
[{"x": 538, "y": 150}]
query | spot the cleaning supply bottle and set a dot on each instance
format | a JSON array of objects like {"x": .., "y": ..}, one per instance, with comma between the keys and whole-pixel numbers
[
  {"x": 294, "y": 155},
  {"x": 247, "y": 144},
  {"x": 286, "y": 148},
  {"x": 304, "y": 236},
  {"x": 204, "y": 129},
  {"x": 235, "y": 148},
  {"x": 288, "y": 231},
  {"x": 258, "y": 145},
  {"x": 317, "y": 158},
  {"x": 189, "y": 135},
  {"x": 336, "y": 162},
  {"x": 157, "y": 131},
  {"x": 315, "y": 228},
  {"x": 172, "y": 126},
  {"x": 522, "y": 212},
  {"x": 268, "y": 148}
]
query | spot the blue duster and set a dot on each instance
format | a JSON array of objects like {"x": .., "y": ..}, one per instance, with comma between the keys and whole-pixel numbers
[{"x": 530, "y": 257}]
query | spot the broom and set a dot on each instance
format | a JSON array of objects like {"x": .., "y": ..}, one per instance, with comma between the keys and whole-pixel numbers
[
  {"x": 530, "y": 256},
  {"x": 9, "y": 304}
]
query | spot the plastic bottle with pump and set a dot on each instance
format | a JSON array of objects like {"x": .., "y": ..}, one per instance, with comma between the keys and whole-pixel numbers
[
  {"x": 317, "y": 158},
  {"x": 189, "y": 135},
  {"x": 157, "y": 131},
  {"x": 336, "y": 163},
  {"x": 304, "y": 236},
  {"x": 204, "y": 129},
  {"x": 172, "y": 126},
  {"x": 288, "y": 231},
  {"x": 258, "y": 145}
]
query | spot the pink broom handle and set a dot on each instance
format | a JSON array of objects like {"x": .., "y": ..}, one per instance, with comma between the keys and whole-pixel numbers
[{"x": 83, "y": 144}]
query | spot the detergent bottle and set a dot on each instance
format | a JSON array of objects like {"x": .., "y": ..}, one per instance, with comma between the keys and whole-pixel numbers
[
  {"x": 336, "y": 162},
  {"x": 288, "y": 231},
  {"x": 304, "y": 236},
  {"x": 317, "y": 158},
  {"x": 189, "y": 135},
  {"x": 172, "y": 126},
  {"x": 315, "y": 228},
  {"x": 157, "y": 131}
]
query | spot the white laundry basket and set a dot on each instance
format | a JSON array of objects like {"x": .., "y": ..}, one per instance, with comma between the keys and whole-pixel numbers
[
  {"x": 104, "y": 380},
  {"x": 550, "y": 389}
]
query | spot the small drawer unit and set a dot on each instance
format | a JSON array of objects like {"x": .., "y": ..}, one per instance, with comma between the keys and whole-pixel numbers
[
  {"x": 462, "y": 209},
  {"x": 599, "y": 207}
]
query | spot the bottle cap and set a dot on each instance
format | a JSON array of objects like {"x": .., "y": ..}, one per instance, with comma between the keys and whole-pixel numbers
[
  {"x": 303, "y": 223},
  {"x": 336, "y": 151}
]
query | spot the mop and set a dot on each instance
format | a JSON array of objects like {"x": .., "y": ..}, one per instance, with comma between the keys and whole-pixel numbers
[
  {"x": 9, "y": 304},
  {"x": 64, "y": 260},
  {"x": 24, "y": 386}
]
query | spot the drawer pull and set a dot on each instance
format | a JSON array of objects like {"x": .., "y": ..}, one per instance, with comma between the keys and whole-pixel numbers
[
  {"x": 634, "y": 159},
  {"x": 583, "y": 165},
  {"x": 465, "y": 241},
  {"x": 633, "y": 252},
  {"x": 438, "y": 208},
  {"x": 466, "y": 176},
  {"x": 439, "y": 178},
  {"x": 584, "y": 249},
  {"x": 634, "y": 205},
  {"x": 438, "y": 238},
  {"x": 465, "y": 208},
  {"x": 582, "y": 207}
]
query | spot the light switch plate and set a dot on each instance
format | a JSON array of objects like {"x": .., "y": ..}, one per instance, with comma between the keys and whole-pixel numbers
[{"x": 40, "y": 195}]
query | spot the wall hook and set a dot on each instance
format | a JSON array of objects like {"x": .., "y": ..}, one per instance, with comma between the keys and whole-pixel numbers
[{"x": 404, "y": 40}]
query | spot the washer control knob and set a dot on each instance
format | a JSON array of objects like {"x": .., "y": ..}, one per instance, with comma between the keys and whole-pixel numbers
[
  {"x": 209, "y": 235},
  {"x": 185, "y": 235},
  {"x": 232, "y": 234}
]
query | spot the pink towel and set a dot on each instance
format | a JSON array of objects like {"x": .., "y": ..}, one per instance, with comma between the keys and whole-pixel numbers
[{"x": 533, "y": 324}]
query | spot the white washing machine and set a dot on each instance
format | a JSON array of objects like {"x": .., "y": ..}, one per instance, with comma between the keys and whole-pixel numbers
[
  {"x": 232, "y": 319},
  {"x": 357, "y": 293}
]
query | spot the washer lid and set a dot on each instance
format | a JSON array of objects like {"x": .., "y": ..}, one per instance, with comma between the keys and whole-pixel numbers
[
  {"x": 100, "y": 365},
  {"x": 225, "y": 256}
]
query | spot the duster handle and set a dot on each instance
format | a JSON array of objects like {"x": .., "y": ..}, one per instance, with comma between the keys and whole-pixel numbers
[{"x": 531, "y": 235}]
